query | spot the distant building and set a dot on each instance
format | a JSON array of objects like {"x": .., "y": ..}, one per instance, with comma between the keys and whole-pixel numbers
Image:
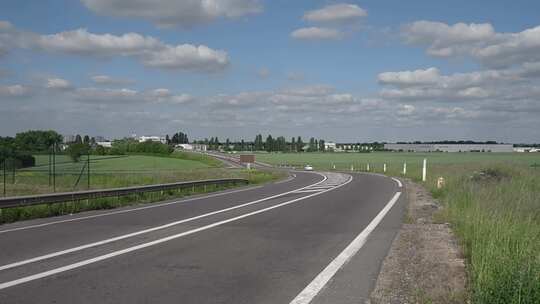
[
  {"x": 105, "y": 144},
  {"x": 191, "y": 147},
  {"x": 330, "y": 146},
  {"x": 450, "y": 147},
  {"x": 526, "y": 149},
  {"x": 100, "y": 139},
  {"x": 160, "y": 139}
]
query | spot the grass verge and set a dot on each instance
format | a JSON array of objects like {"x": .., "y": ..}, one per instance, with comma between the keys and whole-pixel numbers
[
  {"x": 495, "y": 212},
  {"x": 48, "y": 210}
]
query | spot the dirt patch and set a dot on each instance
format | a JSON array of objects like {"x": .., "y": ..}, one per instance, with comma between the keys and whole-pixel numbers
[{"x": 424, "y": 264}]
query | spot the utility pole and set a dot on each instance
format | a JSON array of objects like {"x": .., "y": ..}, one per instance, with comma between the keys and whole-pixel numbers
[
  {"x": 54, "y": 167},
  {"x": 50, "y": 165}
]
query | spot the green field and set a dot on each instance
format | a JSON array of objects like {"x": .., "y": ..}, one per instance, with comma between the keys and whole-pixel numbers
[
  {"x": 110, "y": 172},
  {"x": 132, "y": 163}
]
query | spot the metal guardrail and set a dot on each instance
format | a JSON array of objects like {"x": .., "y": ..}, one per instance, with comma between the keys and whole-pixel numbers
[{"x": 21, "y": 201}]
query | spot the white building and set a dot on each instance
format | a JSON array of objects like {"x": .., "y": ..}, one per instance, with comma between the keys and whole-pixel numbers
[
  {"x": 330, "y": 146},
  {"x": 105, "y": 144},
  {"x": 450, "y": 147},
  {"x": 191, "y": 147},
  {"x": 160, "y": 139}
]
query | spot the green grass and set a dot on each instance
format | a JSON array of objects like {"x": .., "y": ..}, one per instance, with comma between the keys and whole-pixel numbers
[
  {"x": 497, "y": 219},
  {"x": 132, "y": 163}
]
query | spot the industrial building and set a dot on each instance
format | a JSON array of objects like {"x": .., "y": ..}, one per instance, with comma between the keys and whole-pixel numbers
[{"x": 450, "y": 147}]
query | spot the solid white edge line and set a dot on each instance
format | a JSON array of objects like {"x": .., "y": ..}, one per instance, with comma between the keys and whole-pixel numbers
[
  {"x": 398, "y": 182},
  {"x": 152, "y": 243},
  {"x": 125, "y": 236},
  {"x": 313, "y": 288}
]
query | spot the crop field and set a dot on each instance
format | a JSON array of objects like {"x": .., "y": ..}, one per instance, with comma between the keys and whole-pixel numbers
[{"x": 491, "y": 200}]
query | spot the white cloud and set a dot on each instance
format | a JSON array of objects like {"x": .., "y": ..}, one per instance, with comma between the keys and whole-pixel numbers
[
  {"x": 428, "y": 76},
  {"x": 170, "y": 13},
  {"x": 15, "y": 91},
  {"x": 187, "y": 57},
  {"x": 336, "y": 13},
  {"x": 148, "y": 50},
  {"x": 479, "y": 41},
  {"x": 108, "y": 80},
  {"x": 58, "y": 84},
  {"x": 317, "y": 33}
]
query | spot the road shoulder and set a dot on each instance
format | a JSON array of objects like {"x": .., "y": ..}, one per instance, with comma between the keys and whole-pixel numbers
[{"x": 424, "y": 264}]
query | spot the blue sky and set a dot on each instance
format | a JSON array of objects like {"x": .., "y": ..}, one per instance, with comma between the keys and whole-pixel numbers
[{"x": 389, "y": 70}]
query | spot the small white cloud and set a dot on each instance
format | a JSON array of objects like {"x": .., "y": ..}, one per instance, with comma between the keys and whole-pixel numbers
[
  {"x": 14, "y": 91},
  {"x": 417, "y": 77},
  {"x": 57, "y": 84},
  {"x": 108, "y": 80},
  {"x": 317, "y": 33},
  {"x": 336, "y": 13}
]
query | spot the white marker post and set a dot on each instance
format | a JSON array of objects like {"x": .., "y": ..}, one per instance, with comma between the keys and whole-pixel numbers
[
  {"x": 404, "y": 168},
  {"x": 368, "y": 167},
  {"x": 424, "y": 169},
  {"x": 384, "y": 168},
  {"x": 334, "y": 166},
  {"x": 352, "y": 168}
]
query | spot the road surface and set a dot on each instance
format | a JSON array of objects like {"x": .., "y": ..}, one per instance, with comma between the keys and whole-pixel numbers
[{"x": 313, "y": 238}]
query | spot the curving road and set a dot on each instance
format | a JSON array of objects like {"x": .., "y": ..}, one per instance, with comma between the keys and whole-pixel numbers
[{"x": 313, "y": 238}]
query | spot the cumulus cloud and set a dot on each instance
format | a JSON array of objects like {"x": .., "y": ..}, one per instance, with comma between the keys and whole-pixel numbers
[
  {"x": 148, "y": 50},
  {"x": 58, "y": 84},
  {"x": 336, "y": 13},
  {"x": 479, "y": 41},
  {"x": 316, "y": 33},
  {"x": 171, "y": 13}
]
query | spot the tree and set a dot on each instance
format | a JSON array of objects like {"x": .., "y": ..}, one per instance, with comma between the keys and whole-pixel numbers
[
  {"x": 78, "y": 139},
  {"x": 293, "y": 145},
  {"x": 269, "y": 144},
  {"x": 36, "y": 140},
  {"x": 167, "y": 139},
  {"x": 76, "y": 150},
  {"x": 299, "y": 144},
  {"x": 86, "y": 140},
  {"x": 312, "y": 146},
  {"x": 322, "y": 146}
]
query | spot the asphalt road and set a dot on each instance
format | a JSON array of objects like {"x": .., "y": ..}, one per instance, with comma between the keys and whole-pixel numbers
[{"x": 314, "y": 238}]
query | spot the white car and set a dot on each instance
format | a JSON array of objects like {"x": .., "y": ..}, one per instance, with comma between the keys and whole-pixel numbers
[{"x": 308, "y": 168}]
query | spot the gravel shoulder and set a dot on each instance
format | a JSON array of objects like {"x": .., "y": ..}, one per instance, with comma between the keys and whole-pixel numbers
[{"x": 424, "y": 264}]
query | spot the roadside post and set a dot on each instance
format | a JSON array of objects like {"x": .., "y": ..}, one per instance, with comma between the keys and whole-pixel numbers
[
  {"x": 384, "y": 168},
  {"x": 424, "y": 170},
  {"x": 367, "y": 167},
  {"x": 247, "y": 160},
  {"x": 352, "y": 168},
  {"x": 404, "y": 168}
]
